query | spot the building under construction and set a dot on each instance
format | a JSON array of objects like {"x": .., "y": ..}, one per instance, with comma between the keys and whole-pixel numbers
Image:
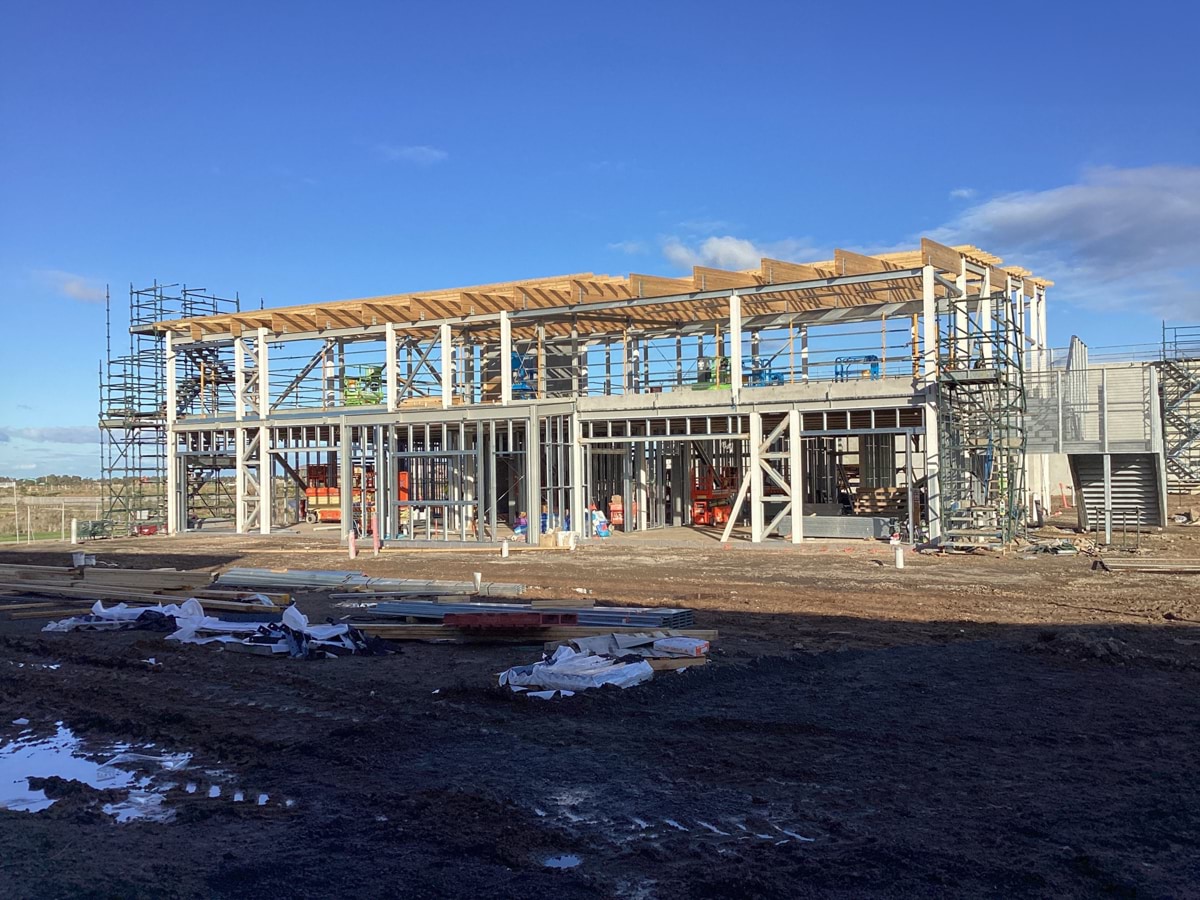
[{"x": 848, "y": 397}]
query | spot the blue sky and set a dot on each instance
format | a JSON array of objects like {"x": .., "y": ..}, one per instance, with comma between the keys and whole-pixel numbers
[{"x": 297, "y": 152}]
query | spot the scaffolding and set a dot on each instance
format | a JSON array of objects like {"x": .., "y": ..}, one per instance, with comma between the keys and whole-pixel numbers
[
  {"x": 133, "y": 413},
  {"x": 981, "y": 423},
  {"x": 1179, "y": 385}
]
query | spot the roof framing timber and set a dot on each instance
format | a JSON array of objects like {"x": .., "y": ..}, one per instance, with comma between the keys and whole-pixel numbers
[{"x": 777, "y": 287}]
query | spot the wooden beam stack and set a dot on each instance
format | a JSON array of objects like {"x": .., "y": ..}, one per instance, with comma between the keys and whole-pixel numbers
[{"x": 144, "y": 587}]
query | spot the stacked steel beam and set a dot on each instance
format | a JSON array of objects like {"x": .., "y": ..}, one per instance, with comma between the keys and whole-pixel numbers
[
  {"x": 333, "y": 580},
  {"x": 600, "y": 616}
]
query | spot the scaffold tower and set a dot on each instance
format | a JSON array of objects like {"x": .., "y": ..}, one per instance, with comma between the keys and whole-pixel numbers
[
  {"x": 981, "y": 427},
  {"x": 133, "y": 420}
]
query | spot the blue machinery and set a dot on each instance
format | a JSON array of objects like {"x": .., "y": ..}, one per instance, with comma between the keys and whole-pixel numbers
[
  {"x": 760, "y": 374},
  {"x": 846, "y": 367},
  {"x": 524, "y": 377},
  {"x": 713, "y": 373}
]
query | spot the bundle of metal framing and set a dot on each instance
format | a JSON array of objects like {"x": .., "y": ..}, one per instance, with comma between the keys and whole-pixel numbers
[
  {"x": 356, "y": 581},
  {"x": 600, "y": 616}
]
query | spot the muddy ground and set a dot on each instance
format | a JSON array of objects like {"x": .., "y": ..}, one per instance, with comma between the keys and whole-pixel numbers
[{"x": 969, "y": 725}]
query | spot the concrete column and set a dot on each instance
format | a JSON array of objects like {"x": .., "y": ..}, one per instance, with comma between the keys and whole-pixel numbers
[
  {"x": 757, "y": 511},
  {"x": 239, "y": 479},
  {"x": 627, "y": 383},
  {"x": 962, "y": 336},
  {"x": 576, "y": 363},
  {"x": 1043, "y": 338},
  {"x": 175, "y": 500},
  {"x": 642, "y": 497},
  {"x": 1107, "y": 498},
  {"x": 393, "y": 477},
  {"x": 580, "y": 519},
  {"x": 929, "y": 326},
  {"x": 266, "y": 484},
  {"x": 1058, "y": 396},
  {"x": 383, "y": 483},
  {"x": 1104, "y": 410},
  {"x": 264, "y": 374},
  {"x": 679, "y": 486},
  {"x": 1035, "y": 332},
  {"x": 345, "y": 477},
  {"x": 171, "y": 374},
  {"x": 796, "y": 474},
  {"x": 540, "y": 383},
  {"x": 533, "y": 474},
  {"x": 175, "y": 484},
  {"x": 985, "y": 316},
  {"x": 735, "y": 346},
  {"x": 932, "y": 466},
  {"x": 492, "y": 493},
  {"x": 447, "y": 366},
  {"x": 505, "y": 358},
  {"x": 239, "y": 378},
  {"x": 908, "y": 482},
  {"x": 393, "y": 381},
  {"x": 172, "y": 447}
]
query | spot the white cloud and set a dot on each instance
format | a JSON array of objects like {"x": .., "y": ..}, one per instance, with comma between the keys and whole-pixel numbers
[
  {"x": 963, "y": 193},
  {"x": 631, "y": 247},
  {"x": 73, "y": 434},
  {"x": 1116, "y": 238},
  {"x": 729, "y": 252},
  {"x": 417, "y": 154},
  {"x": 75, "y": 287}
]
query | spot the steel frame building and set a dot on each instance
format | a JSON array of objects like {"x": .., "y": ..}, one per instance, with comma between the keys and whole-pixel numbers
[{"x": 444, "y": 415}]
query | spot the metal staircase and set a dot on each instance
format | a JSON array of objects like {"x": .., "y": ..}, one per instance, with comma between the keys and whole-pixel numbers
[
  {"x": 1179, "y": 386},
  {"x": 206, "y": 372}
]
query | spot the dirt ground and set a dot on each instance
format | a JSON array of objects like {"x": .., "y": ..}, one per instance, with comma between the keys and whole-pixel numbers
[{"x": 970, "y": 725}]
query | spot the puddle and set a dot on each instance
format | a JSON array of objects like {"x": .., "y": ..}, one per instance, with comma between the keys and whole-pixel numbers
[
  {"x": 142, "y": 772},
  {"x": 58, "y": 754},
  {"x": 565, "y": 861}
]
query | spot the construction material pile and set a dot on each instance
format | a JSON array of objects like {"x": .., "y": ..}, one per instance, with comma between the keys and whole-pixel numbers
[
  {"x": 436, "y": 611},
  {"x": 144, "y": 586},
  {"x": 617, "y": 660},
  {"x": 293, "y": 635}
]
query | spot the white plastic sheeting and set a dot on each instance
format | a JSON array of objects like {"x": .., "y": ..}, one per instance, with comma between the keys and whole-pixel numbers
[
  {"x": 570, "y": 670},
  {"x": 294, "y": 635},
  {"x": 111, "y": 618}
]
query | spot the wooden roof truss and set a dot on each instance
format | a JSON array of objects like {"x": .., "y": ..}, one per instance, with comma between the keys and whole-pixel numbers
[{"x": 589, "y": 306}]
